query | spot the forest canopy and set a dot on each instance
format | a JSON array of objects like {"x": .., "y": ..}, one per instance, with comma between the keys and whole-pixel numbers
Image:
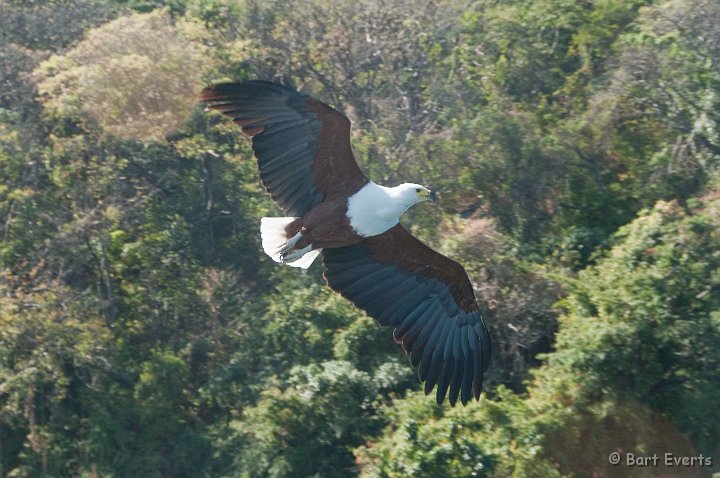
[{"x": 575, "y": 149}]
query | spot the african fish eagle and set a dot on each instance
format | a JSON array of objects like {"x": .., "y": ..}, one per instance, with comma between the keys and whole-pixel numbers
[{"x": 306, "y": 163}]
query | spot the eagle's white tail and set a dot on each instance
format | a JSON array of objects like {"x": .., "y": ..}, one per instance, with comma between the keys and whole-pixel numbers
[{"x": 274, "y": 242}]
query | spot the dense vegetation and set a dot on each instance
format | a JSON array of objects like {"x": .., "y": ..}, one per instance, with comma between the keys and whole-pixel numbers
[{"x": 143, "y": 333}]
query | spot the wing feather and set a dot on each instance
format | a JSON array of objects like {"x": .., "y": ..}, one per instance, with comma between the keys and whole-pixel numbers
[
  {"x": 404, "y": 328},
  {"x": 417, "y": 322},
  {"x": 466, "y": 385},
  {"x": 444, "y": 379},
  {"x": 429, "y": 328},
  {"x": 302, "y": 146},
  {"x": 429, "y": 301}
]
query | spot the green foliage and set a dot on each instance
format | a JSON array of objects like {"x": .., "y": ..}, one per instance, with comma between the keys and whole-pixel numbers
[
  {"x": 574, "y": 146},
  {"x": 360, "y": 343},
  {"x": 55, "y": 358},
  {"x": 642, "y": 324},
  {"x": 490, "y": 438},
  {"x": 51, "y": 24},
  {"x": 132, "y": 75},
  {"x": 308, "y": 429}
]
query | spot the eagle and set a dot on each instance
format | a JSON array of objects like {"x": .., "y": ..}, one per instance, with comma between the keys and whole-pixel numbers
[{"x": 306, "y": 164}]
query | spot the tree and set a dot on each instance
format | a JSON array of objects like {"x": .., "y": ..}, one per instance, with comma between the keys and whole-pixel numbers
[
  {"x": 135, "y": 76},
  {"x": 308, "y": 429},
  {"x": 490, "y": 438}
]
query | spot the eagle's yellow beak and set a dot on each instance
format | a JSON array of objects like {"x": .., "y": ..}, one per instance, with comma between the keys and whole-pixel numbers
[{"x": 425, "y": 193}]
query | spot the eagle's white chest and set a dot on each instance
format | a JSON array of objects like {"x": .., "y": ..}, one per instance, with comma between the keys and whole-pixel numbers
[{"x": 374, "y": 209}]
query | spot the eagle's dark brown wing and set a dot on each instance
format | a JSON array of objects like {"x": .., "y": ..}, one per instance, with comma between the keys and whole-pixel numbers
[
  {"x": 429, "y": 301},
  {"x": 302, "y": 145}
]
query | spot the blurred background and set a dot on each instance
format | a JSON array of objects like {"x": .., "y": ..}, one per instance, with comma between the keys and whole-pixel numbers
[{"x": 575, "y": 147}]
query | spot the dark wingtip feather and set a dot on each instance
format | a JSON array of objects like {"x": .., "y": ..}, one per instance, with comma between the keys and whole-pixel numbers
[
  {"x": 444, "y": 379},
  {"x": 440, "y": 397},
  {"x": 424, "y": 365},
  {"x": 415, "y": 356},
  {"x": 477, "y": 380},
  {"x": 434, "y": 372},
  {"x": 427, "y": 390},
  {"x": 466, "y": 386},
  {"x": 486, "y": 347},
  {"x": 456, "y": 380}
]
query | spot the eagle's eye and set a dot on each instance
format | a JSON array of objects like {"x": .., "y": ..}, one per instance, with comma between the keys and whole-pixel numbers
[{"x": 417, "y": 190}]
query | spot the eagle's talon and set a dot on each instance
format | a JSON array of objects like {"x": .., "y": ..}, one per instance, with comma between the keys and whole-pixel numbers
[{"x": 284, "y": 248}]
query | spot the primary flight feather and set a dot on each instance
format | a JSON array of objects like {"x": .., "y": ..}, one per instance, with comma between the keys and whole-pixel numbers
[{"x": 306, "y": 163}]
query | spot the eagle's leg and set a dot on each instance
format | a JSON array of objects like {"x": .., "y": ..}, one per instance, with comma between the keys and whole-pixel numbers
[{"x": 285, "y": 247}]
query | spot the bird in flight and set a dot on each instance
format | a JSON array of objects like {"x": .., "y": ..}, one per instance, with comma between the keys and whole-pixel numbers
[{"x": 307, "y": 166}]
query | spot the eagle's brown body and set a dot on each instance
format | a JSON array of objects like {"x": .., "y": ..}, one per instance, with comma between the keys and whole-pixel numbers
[{"x": 326, "y": 225}]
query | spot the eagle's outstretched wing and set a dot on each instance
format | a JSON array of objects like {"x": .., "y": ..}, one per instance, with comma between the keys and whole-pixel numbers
[
  {"x": 429, "y": 301},
  {"x": 302, "y": 145}
]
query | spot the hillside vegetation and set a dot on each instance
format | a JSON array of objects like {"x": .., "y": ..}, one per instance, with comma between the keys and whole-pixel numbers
[{"x": 575, "y": 149}]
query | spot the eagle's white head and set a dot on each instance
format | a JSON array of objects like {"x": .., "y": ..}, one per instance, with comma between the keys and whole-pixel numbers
[{"x": 411, "y": 194}]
